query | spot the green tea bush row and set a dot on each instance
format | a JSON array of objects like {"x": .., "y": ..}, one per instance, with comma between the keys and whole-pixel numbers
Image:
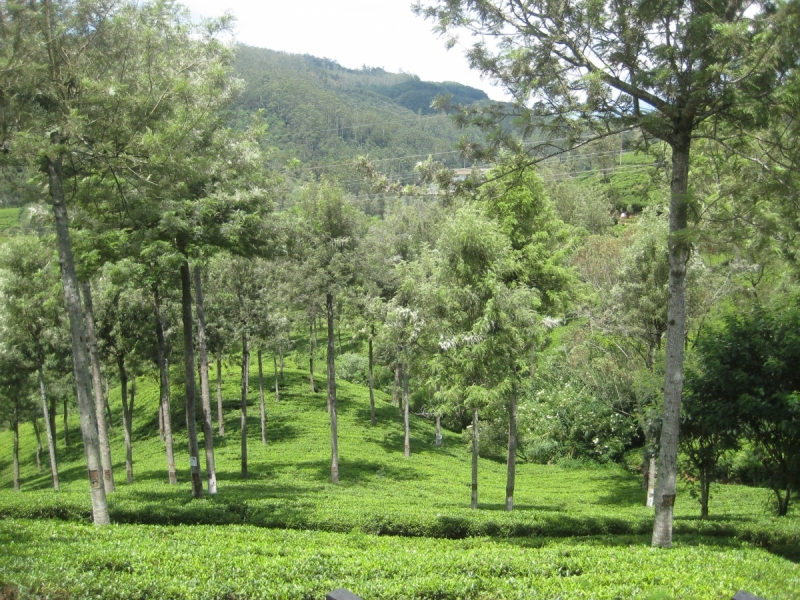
[{"x": 68, "y": 560}]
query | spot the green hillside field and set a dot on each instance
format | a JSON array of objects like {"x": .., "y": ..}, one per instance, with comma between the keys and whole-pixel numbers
[
  {"x": 9, "y": 220},
  {"x": 393, "y": 528}
]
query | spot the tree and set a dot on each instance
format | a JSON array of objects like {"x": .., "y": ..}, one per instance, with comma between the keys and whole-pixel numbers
[
  {"x": 583, "y": 71},
  {"x": 748, "y": 379},
  {"x": 29, "y": 286}
]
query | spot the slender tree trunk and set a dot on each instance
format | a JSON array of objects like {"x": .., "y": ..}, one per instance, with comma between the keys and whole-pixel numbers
[
  {"x": 205, "y": 388},
  {"x": 126, "y": 417},
  {"x": 371, "y": 385},
  {"x": 108, "y": 405},
  {"x": 651, "y": 481},
  {"x": 65, "y": 403},
  {"x": 51, "y": 416},
  {"x": 311, "y": 349},
  {"x": 97, "y": 386},
  {"x": 332, "y": 393},
  {"x": 191, "y": 390},
  {"x": 705, "y": 482},
  {"x": 438, "y": 430},
  {"x": 396, "y": 386},
  {"x": 160, "y": 423},
  {"x": 275, "y": 370},
  {"x": 245, "y": 387},
  {"x": 15, "y": 430},
  {"x": 261, "y": 397},
  {"x": 511, "y": 459},
  {"x": 36, "y": 432},
  {"x": 164, "y": 391},
  {"x": 80, "y": 360},
  {"x": 676, "y": 320},
  {"x": 474, "y": 502},
  {"x": 280, "y": 354},
  {"x": 220, "y": 416},
  {"x": 49, "y": 433},
  {"x": 339, "y": 335},
  {"x": 406, "y": 414}
]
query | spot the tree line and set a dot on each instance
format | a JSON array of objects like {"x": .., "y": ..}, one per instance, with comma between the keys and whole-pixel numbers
[{"x": 517, "y": 305}]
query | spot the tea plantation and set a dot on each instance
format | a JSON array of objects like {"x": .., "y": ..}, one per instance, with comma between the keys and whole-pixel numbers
[{"x": 393, "y": 527}]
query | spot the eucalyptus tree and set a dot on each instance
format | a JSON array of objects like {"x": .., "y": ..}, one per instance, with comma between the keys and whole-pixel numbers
[
  {"x": 15, "y": 384},
  {"x": 331, "y": 228},
  {"x": 32, "y": 309},
  {"x": 124, "y": 318},
  {"x": 584, "y": 71}
]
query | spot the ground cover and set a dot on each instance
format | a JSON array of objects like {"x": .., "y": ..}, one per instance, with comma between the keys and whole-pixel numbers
[
  {"x": 9, "y": 220},
  {"x": 425, "y": 496}
]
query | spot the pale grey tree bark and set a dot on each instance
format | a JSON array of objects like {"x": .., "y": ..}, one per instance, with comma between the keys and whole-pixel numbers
[
  {"x": 676, "y": 333},
  {"x": 127, "y": 417},
  {"x": 245, "y": 387},
  {"x": 51, "y": 438},
  {"x": 15, "y": 442},
  {"x": 438, "y": 430},
  {"x": 164, "y": 392},
  {"x": 371, "y": 386},
  {"x": 191, "y": 389},
  {"x": 474, "y": 501},
  {"x": 275, "y": 369},
  {"x": 651, "y": 481},
  {"x": 97, "y": 386},
  {"x": 261, "y": 397},
  {"x": 406, "y": 413},
  {"x": 205, "y": 389},
  {"x": 511, "y": 459},
  {"x": 220, "y": 415},
  {"x": 332, "y": 392},
  {"x": 80, "y": 360}
]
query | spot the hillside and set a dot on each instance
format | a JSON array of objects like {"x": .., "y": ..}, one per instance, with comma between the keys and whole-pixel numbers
[{"x": 321, "y": 113}]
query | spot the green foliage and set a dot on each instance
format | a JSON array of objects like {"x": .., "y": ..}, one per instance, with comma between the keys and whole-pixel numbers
[
  {"x": 747, "y": 385},
  {"x": 9, "y": 221},
  {"x": 244, "y": 562}
]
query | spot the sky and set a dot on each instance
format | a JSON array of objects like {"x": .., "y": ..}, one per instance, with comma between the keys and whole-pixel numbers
[{"x": 354, "y": 33}]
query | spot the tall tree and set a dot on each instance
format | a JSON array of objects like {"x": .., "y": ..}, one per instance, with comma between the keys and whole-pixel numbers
[{"x": 583, "y": 70}]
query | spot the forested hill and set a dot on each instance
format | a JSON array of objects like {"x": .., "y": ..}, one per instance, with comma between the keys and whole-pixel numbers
[{"x": 322, "y": 113}]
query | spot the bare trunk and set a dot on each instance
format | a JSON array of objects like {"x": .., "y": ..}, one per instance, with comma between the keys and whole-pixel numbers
[
  {"x": 36, "y": 432},
  {"x": 261, "y": 398},
  {"x": 80, "y": 360},
  {"x": 97, "y": 386},
  {"x": 406, "y": 419},
  {"x": 205, "y": 388},
  {"x": 332, "y": 393},
  {"x": 705, "y": 482},
  {"x": 65, "y": 404},
  {"x": 275, "y": 370},
  {"x": 676, "y": 319},
  {"x": 474, "y": 502},
  {"x": 190, "y": 387},
  {"x": 371, "y": 386},
  {"x": 15, "y": 452},
  {"x": 51, "y": 438},
  {"x": 164, "y": 392},
  {"x": 280, "y": 355},
  {"x": 108, "y": 406},
  {"x": 245, "y": 387},
  {"x": 396, "y": 386},
  {"x": 220, "y": 416},
  {"x": 651, "y": 481},
  {"x": 311, "y": 350},
  {"x": 160, "y": 423},
  {"x": 51, "y": 416},
  {"x": 126, "y": 417},
  {"x": 511, "y": 459},
  {"x": 438, "y": 430}
]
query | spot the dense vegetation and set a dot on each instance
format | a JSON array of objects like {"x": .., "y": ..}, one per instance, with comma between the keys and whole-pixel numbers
[{"x": 201, "y": 242}]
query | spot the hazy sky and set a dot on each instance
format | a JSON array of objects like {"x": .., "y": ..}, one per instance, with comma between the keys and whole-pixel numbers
[{"x": 375, "y": 33}]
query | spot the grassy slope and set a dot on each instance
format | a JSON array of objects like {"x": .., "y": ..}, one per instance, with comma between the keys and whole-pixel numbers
[
  {"x": 381, "y": 492},
  {"x": 9, "y": 220}
]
